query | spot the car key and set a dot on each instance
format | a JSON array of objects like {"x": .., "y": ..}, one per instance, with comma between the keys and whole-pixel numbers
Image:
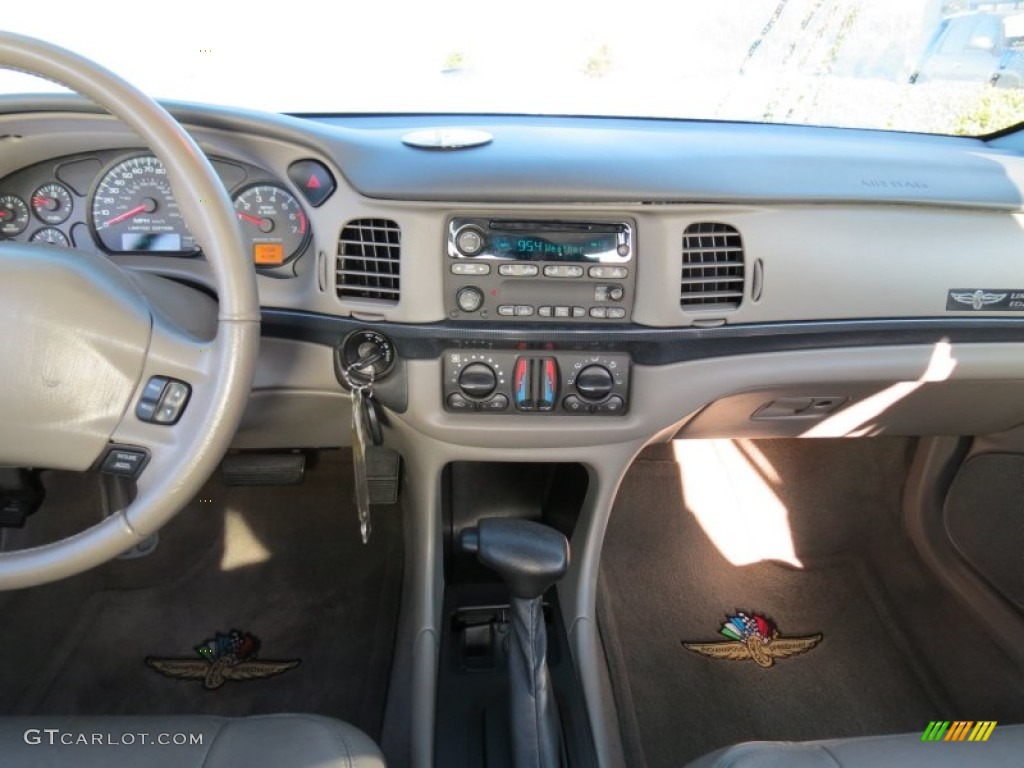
[{"x": 359, "y": 436}]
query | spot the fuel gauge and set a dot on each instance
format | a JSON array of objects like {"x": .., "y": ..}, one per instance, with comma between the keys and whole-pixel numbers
[{"x": 52, "y": 203}]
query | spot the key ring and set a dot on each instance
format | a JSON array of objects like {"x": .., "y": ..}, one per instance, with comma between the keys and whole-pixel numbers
[{"x": 358, "y": 386}]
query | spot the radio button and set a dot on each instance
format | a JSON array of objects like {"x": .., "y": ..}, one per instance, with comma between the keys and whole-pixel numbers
[
  {"x": 615, "y": 293},
  {"x": 579, "y": 312},
  {"x": 544, "y": 311},
  {"x": 609, "y": 273},
  {"x": 469, "y": 299},
  {"x": 599, "y": 312},
  {"x": 616, "y": 313},
  {"x": 469, "y": 241},
  {"x": 524, "y": 310},
  {"x": 563, "y": 270},
  {"x": 471, "y": 268},
  {"x": 561, "y": 311},
  {"x": 506, "y": 310},
  {"x": 519, "y": 270}
]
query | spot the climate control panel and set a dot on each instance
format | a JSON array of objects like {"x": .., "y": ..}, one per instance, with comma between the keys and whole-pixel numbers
[{"x": 536, "y": 382}]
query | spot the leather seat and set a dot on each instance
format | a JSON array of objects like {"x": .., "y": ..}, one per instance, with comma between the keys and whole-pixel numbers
[
  {"x": 266, "y": 741},
  {"x": 1004, "y": 748}
]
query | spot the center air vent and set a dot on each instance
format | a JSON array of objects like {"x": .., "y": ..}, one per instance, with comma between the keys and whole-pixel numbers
[
  {"x": 712, "y": 276},
  {"x": 368, "y": 259}
]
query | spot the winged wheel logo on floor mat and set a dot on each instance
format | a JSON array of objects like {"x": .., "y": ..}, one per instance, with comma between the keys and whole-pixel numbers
[
  {"x": 753, "y": 636},
  {"x": 230, "y": 656}
]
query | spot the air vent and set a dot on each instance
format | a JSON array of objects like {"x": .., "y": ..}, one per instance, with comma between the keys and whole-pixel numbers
[
  {"x": 368, "y": 258},
  {"x": 712, "y": 267}
]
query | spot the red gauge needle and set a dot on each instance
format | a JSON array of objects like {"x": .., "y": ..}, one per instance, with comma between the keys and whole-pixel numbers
[
  {"x": 146, "y": 206},
  {"x": 252, "y": 219},
  {"x": 6, "y": 213}
]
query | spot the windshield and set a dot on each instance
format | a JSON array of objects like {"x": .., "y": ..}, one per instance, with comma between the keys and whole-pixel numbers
[{"x": 953, "y": 67}]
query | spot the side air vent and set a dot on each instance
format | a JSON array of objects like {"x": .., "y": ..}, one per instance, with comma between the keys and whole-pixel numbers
[
  {"x": 712, "y": 267},
  {"x": 368, "y": 259}
]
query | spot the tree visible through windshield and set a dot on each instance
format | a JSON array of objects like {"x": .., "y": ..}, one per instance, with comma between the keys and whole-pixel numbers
[{"x": 939, "y": 66}]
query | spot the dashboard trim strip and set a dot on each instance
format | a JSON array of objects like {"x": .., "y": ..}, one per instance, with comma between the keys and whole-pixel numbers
[{"x": 647, "y": 346}]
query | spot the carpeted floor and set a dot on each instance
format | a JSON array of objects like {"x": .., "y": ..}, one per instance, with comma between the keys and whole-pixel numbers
[
  {"x": 284, "y": 563},
  {"x": 897, "y": 650}
]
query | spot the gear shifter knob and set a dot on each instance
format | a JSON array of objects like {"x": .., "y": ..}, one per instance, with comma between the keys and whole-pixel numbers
[{"x": 528, "y": 556}]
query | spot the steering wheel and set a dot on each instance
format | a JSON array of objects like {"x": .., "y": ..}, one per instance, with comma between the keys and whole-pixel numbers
[{"x": 80, "y": 342}]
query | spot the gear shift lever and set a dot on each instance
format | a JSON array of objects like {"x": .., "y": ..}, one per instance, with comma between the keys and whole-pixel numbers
[{"x": 530, "y": 558}]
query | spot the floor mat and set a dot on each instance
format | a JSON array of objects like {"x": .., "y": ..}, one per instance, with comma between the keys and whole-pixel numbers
[
  {"x": 896, "y": 651},
  {"x": 283, "y": 563}
]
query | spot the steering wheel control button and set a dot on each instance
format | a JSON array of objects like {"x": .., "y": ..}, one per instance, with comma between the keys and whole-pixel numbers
[
  {"x": 471, "y": 268},
  {"x": 563, "y": 270},
  {"x": 313, "y": 180},
  {"x": 163, "y": 401},
  {"x": 519, "y": 270},
  {"x": 125, "y": 462},
  {"x": 469, "y": 299}
]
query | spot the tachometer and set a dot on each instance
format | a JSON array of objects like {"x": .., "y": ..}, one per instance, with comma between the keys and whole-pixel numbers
[
  {"x": 273, "y": 222},
  {"x": 133, "y": 210}
]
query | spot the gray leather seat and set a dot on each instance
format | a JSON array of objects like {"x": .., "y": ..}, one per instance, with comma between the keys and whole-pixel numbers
[
  {"x": 1004, "y": 748},
  {"x": 267, "y": 741}
]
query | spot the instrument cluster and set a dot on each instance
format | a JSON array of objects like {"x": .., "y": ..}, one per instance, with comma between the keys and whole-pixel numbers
[{"x": 120, "y": 202}]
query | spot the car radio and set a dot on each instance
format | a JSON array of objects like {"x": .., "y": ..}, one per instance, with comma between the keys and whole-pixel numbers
[{"x": 548, "y": 270}]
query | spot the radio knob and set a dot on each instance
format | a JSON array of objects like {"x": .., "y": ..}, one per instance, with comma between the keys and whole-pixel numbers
[
  {"x": 469, "y": 299},
  {"x": 594, "y": 382},
  {"x": 469, "y": 241},
  {"x": 477, "y": 380}
]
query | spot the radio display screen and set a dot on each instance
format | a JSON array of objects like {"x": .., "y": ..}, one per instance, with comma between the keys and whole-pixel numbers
[{"x": 556, "y": 246}]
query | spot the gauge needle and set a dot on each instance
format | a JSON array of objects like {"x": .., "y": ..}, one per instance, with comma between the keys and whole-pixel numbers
[
  {"x": 6, "y": 213},
  {"x": 252, "y": 219},
  {"x": 146, "y": 206},
  {"x": 48, "y": 202}
]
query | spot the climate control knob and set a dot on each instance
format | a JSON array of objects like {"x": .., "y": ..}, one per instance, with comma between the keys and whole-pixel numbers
[
  {"x": 477, "y": 380},
  {"x": 469, "y": 299},
  {"x": 594, "y": 382}
]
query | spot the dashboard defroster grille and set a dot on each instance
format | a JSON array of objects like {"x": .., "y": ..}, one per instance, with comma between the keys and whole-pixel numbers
[
  {"x": 369, "y": 252},
  {"x": 713, "y": 270}
]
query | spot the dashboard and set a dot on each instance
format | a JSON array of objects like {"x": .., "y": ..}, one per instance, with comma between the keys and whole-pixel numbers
[
  {"x": 571, "y": 282},
  {"x": 570, "y": 290}
]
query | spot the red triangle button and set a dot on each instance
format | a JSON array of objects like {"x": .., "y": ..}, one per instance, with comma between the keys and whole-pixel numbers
[{"x": 313, "y": 183}]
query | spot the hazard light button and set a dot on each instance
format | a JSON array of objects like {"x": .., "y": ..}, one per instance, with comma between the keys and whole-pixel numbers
[{"x": 313, "y": 180}]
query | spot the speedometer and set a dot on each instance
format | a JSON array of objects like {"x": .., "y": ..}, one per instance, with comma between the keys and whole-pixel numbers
[{"x": 134, "y": 210}]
